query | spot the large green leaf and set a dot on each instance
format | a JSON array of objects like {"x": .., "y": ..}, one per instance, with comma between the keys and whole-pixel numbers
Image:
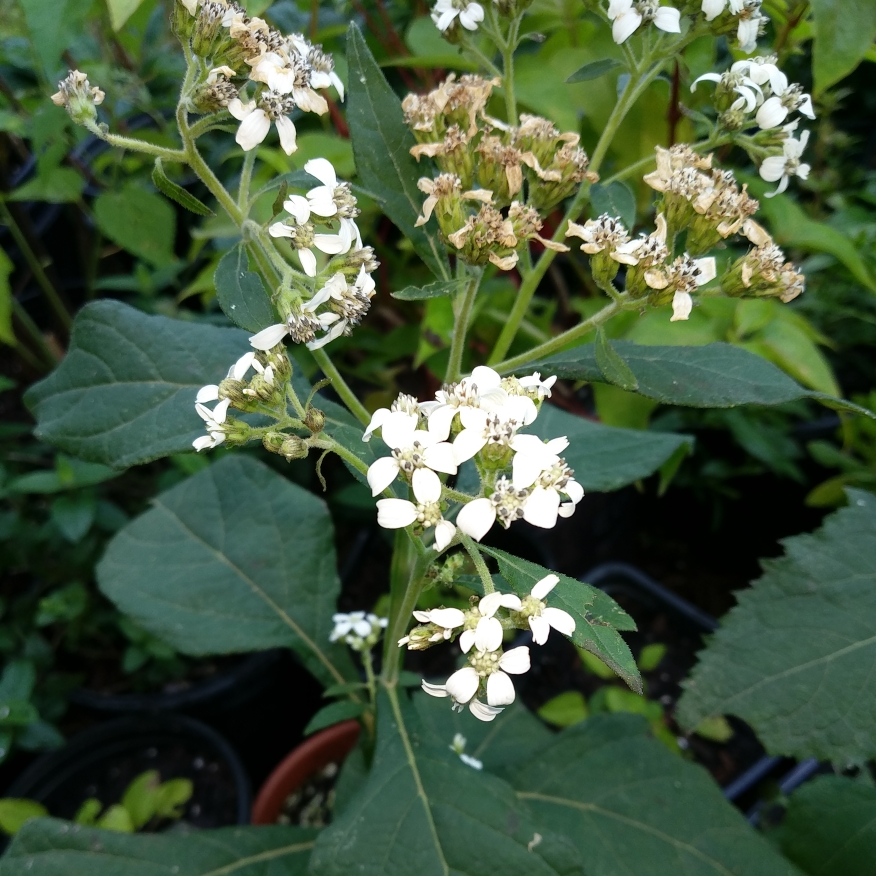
[
  {"x": 830, "y": 828},
  {"x": 597, "y": 616},
  {"x": 236, "y": 558},
  {"x": 796, "y": 658},
  {"x": 606, "y": 458},
  {"x": 711, "y": 376},
  {"x": 422, "y": 811},
  {"x": 633, "y": 807},
  {"x": 50, "y": 847},
  {"x": 140, "y": 222},
  {"x": 241, "y": 292},
  {"x": 381, "y": 144},
  {"x": 125, "y": 392},
  {"x": 844, "y": 32}
]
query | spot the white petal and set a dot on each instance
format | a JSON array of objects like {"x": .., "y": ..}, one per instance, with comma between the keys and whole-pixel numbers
[
  {"x": 482, "y": 711},
  {"x": 377, "y": 419},
  {"x": 322, "y": 201},
  {"x": 322, "y": 169},
  {"x": 449, "y": 618},
  {"x": 473, "y": 418},
  {"x": 336, "y": 81},
  {"x": 560, "y": 620},
  {"x": 525, "y": 470},
  {"x": 771, "y": 114},
  {"x": 426, "y": 485},
  {"x": 202, "y": 443},
  {"x": 467, "y": 640},
  {"x": 772, "y": 168},
  {"x": 308, "y": 262},
  {"x": 286, "y": 130},
  {"x": 463, "y": 684},
  {"x": 488, "y": 634},
  {"x": 398, "y": 430},
  {"x": 541, "y": 588},
  {"x": 540, "y": 629},
  {"x": 541, "y": 508},
  {"x": 299, "y": 207},
  {"x": 381, "y": 473},
  {"x": 330, "y": 243},
  {"x": 239, "y": 109},
  {"x": 625, "y": 25},
  {"x": 242, "y": 365},
  {"x": 435, "y": 690},
  {"x": 471, "y": 15},
  {"x": 395, "y": 513},
  {"x": 467, "y": 444},
  {"x": 269, "y": 337},
  {"x": 806, "y": 108},
  {"x": 207, "y": 394},
  {"x": 708, "y": 269},
  {"x": 713, "y": 8},
  {"x": 253, "y": 129},
  {"x": 516, "y": 661},
  {"x": 500, "y": 689},
  {"x": 476, "y": 518},
  {"x": 281, "y": 229},
  {"x": 441, "y": 457},
  {"x": 221, "y": 410},
  {"x": 574, "y": 491},
  {"x": 682, "y": 304},
  {"x": 489, "y": 605},
  {"x": 441, "y": 420},
  {"x": 668, "y": 19}
]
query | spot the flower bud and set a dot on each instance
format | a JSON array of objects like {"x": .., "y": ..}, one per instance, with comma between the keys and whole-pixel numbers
[
  {"x": 207, "y": 27},
  {"x": 233, "y": 390},
  {"x": 79, "y": 98},
  {"x": 314, "y": 419},
  {"x": 294, "y": 448}
]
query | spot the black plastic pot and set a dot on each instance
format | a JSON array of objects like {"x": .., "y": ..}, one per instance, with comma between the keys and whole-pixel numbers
[
  {"x": 102, "y": 761},
  {"x": 622, "y": 578},
  {"x": 227, "y": 689}
]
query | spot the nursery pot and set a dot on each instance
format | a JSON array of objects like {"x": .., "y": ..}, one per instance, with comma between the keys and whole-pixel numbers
[
  {"x": 102, "y": 761},
  {"x": 330, "y": 745}
]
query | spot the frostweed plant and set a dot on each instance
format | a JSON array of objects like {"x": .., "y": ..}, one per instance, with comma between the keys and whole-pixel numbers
[{"x": 485, "y": 195}]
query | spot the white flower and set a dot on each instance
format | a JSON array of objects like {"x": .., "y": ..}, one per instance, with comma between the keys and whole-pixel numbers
[
  {"x": 332, "y": 244},
  {"x": 398, "y": 513},
  {"x": 214, "y": 421},
  {"x": 487, "y": 634},
  {"x": 288, "y": 76},
  {"x": 480, "y": 710},
  {"x": 405, "y": 404},
  {"x": 713, "y": 8},
  {"x": 627, "y": 16},
  {"x": 358, "y": 629},
  {"x": 235, "y": 372},
  {"x": 273, "y": 334},
  {"x": 542, "y": 388},
  {"x": 543, "y": 617},
  {"x": 255, "y": 122},
  {"x": 785, "y": 98},
  {"x": 446, "y": 618},
  {"x": 532, "y": 456},
  {"x": 445, "y": 11},
  {"x": 783, "y": 167}
]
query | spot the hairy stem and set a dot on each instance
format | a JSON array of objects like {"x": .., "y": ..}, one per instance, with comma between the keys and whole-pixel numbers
[
  {"x": 245, "y": 177},
  {"x": 340, "y": 386},
  {"x": 476, "y": 557},
  {"x": 462, "y": 316}
]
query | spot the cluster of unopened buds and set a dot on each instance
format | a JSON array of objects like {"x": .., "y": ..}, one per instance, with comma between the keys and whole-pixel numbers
[
  {"x": 755, "y": 92},
  {"x": 236, "y": 50},
  {"x": 480, "y": 631},
  {"x": 344, "y": 297},
  {"x": 359, "y": 630},
  {"x": 709, "y": 207},
  {"x": 496, "y": 182},
  {"x": 482, "y": 414}
]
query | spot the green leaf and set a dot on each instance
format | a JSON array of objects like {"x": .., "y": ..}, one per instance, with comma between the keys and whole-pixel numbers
[
  {"x": 139, "y": 797},
  {"x": 423, "y": 811},
  {"x": 650, "y": 656},
  {"x": 830, "y": 827},
  {"x": 594, "y": 70},
  {"x": 717, "y": 729},
  {"x": 593, "y": 664},
  {"x": 711, "y": 376},
  {"x": 565, "y": 709},
  {"x": 334, "y": 713},
  {"x": 125, "y": 392},
  {"x": 139, "y": 222},
  {"x": 116, "y": 818},
  {"x": 614, "y": 368},
  {"x": 630, "y": 806},
  {"x": 795, "y": 658},
  {"x": 171, "y": 796},
  {"x": 51, "y": 22},
  {"x": 14, "y": 813},
  {"x": 18, "y": 680},
  {"x": 844, "y": 33},
  {"x": 607, "y": 458},
  {"x": 597, "y": 616},
  {"x": 87, "y": 813},
  {"x": 7, "y": 336},
  {"x": 381, "y": 144},
  {"x": 69, "y": 474},
  {"x": 616, "y": 199},
  {"x": 56, "y": 185},
  {"x": 17, "y": 713},
  {"x": 433, "y": 290},
  {"x": 51, "y": 848},
  {"x": 233, "y": 559},
  {"x": 74, "y": 514},
  {"x": 241, "y": 292},
  {"x": 121, "y": 10},
  {"x": 165, "y": 185}
]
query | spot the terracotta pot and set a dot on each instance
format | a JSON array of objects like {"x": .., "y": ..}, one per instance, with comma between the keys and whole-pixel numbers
[{"x": 332, "y": 744}]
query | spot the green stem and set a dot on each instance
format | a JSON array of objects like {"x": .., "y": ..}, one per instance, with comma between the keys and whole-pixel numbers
[
  {"x": 135, "y": 145},
  {"x": 456, "y": 496},
  {"x": 36, "y": 268},
  {"x": 202, "y": 126},
  {"x": 328, "y": 443},
  {"x": 472, "y": 550},
  {"x": 554, "y": 345},
  {"x": 515, "y": 317},
  {"x": 359, "y": 411},
  {"x": 49, "y": 355},
  {"x": 462, "y": 307},
  {"x": 469, "y": 46},
  {"x": 508, "y": 71},
  {"x": 245, "y": 177},
  {"x": 370, "y": 680}
]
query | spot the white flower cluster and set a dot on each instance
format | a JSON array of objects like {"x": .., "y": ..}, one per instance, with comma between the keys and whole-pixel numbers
[
  {"x": 765, "y": 91},
  {"x": 489, "y": 667},
  {"x": 627, "y": 16},
  {"x": 344, "y": 299},
  {"x": 446, "y": 12},
  {"x": 357, "y": 629},
  {"x": 286, "y": 70},
  {"x": 483, "y": 414},
  {"x": 750, "y": 20}
]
